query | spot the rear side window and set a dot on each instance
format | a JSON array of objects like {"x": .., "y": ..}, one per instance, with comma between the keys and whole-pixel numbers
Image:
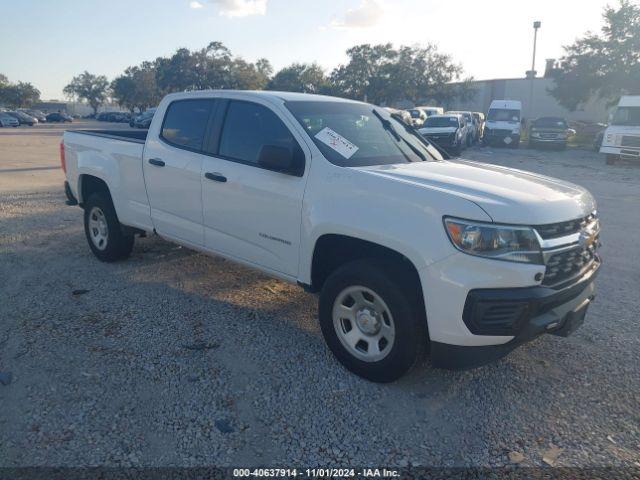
[
  {"x": 248, "y": 127},
  {"x": 185, "y": 123}
]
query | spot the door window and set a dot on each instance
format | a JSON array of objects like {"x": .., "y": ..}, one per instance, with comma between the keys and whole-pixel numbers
[
  {"x": 185, "y": 123},
  {"x": 248, "y": 127}
]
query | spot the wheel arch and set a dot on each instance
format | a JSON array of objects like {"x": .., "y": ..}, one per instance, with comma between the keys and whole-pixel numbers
[
  {"x": 334, "y": 250},
  {"x": 88, "y": 184}
]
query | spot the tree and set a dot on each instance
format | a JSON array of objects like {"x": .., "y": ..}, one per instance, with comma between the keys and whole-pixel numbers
[
  {"x": 15, "y": 95},
  {"x": 360, "y": 78},
  {"x": 300, "y": 77},
  {"x": 137, "y": 87},
  {"x": 382, "y": 74},
  {"x": 211, "y": 67},
  {"x": 606, "y": 65},
  {"x": 88, "y": 87}
]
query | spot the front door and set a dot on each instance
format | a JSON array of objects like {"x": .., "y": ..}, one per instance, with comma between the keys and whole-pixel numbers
[{"x": 249, "y": 212}]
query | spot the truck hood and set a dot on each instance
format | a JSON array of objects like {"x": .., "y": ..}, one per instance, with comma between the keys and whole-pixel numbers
[
  {"x": 427, "y": 130},
  {"x": 493, "y": 125},
  {"x": 507, "y": 195}
]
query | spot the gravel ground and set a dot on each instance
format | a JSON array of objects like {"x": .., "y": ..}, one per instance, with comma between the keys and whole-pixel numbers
[{"x": 177, "y": 358}]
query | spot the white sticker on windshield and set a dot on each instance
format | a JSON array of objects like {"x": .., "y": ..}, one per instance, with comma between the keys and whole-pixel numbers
[{"x": 340, "y": 144}]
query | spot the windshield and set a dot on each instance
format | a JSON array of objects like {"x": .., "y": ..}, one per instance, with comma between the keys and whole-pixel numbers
[
  {"x": 356, "y": 134},
  {"x": 503, "y": 115},
  {"x": 441, "y": 122},
  {"x": 550, "y": 122},
  {"x": 627, "y": 116}
]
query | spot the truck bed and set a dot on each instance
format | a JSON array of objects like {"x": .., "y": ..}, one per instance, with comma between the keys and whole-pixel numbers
[{"x": 137, "y": 136}]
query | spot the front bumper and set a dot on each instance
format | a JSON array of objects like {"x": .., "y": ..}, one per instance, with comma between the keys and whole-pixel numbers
[
  {"x": 548, "y": 141},
  {"x": 499, "y": 137},
  {"x": 443, "y": 141},
  {"x": 522, "y": 313}
]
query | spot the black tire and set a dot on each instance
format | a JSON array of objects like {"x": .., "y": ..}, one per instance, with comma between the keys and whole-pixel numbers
[
  {"x": 403, "y": 301},
  {"x": 117, "y": 245}
]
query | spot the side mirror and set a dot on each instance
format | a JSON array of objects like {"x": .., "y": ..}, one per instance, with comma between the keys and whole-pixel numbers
[{"x": 282, "y": 159}]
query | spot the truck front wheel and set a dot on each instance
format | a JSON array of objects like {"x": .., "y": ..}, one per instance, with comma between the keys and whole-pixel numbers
[
  {"x": 370, "y": 320},
  {"x": 103, "y": 230}
]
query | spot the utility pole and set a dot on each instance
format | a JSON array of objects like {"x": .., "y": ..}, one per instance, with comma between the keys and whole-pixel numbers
[{"x": 532, "y": 73}]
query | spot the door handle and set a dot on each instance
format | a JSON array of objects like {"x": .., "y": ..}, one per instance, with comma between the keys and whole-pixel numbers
[
  {"x": 216, "y": 177},
  {"x": 157, "y": 162}
]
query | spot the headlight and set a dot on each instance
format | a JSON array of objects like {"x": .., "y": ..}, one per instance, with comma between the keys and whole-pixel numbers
[
  {"x": 535, "y": 134},
  {"x": 499, "y": 242}
]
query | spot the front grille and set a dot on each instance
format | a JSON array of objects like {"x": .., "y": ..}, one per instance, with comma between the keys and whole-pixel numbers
[
  {"x": 631, "y": 141},
  {"x": 500, "y": 132},
  {"x": 563, "y": 266},
  {"x": 561, "y": 229}
]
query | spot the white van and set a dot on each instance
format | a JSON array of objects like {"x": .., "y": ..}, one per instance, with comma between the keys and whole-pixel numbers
[
  {"x": 622, "y": 137},
  {"x": 502, "y": 126},
  {"x": 431, "y": 110}
]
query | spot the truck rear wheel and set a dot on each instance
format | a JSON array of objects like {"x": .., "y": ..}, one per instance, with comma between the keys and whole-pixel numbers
[
  {"x": 103, "y": 230},
  {"x": 371, "y": 321}
]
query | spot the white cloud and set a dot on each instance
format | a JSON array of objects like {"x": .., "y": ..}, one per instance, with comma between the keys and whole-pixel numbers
[
  {"x": 196, "y": 4},
  {"x": 367, "y": 14},
  {"x": 240, "y": 8}
]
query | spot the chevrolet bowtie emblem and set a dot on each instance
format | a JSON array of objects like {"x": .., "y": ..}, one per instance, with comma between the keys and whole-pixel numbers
[{"x": 586, "y": 238}]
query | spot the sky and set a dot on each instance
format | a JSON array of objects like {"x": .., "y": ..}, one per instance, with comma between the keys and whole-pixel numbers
[{"x": 47, "y": 42}]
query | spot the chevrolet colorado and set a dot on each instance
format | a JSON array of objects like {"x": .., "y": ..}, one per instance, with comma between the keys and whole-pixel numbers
[{"x": 409, "y": 251}]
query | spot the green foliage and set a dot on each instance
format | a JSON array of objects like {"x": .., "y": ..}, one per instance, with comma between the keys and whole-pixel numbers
[
  {"x": 378, "y": 73},
  {"x": 15, "y": 95},
  {"x": 213, "y": 67},
  {"x": 137, "y": 87},
  {"x": 300, "y": 77},
  {"x": 606, "y": 65},
  {"x": 381, "y": 74},
  {"x": 93, "y": 89}
]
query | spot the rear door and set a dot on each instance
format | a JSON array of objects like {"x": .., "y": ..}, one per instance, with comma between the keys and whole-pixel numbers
[
  {"x": 172, "y": 165},
  {"x": 251, "y": 213}
]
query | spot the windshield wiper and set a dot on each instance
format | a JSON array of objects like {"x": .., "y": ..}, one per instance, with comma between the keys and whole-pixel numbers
[{"x": 389, "y": 127}]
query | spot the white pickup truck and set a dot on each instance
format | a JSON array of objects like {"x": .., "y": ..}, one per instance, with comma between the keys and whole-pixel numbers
[{"x": 408, "y": 250}]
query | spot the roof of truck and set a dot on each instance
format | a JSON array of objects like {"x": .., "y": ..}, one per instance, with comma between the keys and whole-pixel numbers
[
  {"x": 506, "y": 104},
  {"x": 284, "y": 96},
  {"x": 629, "y": 101}
]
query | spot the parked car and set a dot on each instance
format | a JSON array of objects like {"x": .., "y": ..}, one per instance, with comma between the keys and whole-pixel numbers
[
  {"x": 23, "y": 118},
  {"x": 502, "y": 126},
  {"x": 7, "y": 120},
  {"x": 622, "y": 136},
  {"x": 59, "y": 117},
  {"x": 549, "y": 131},
  {"x": 143, "y": 120},
  {"x": 417, "y": 117},
  {"x": 470, "y": 126},
  {"x": 448, "y": 131},
  {"x": 41, "y": 117},
  {"x": 118, "y": 117},
  {"x": 431, "y": 110},
  {"x": 408, "y": 250}
]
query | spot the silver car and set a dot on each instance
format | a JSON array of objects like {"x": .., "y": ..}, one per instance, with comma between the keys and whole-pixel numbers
[{"x": 7, "y": 120}]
